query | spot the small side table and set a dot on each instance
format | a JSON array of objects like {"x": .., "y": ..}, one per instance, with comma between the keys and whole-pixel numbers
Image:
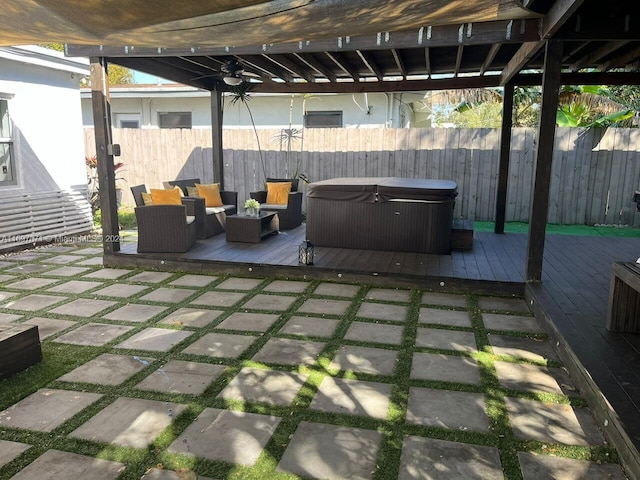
[
  {"x": 251, "y": 229},
  {"x": 624, "y": 298}
]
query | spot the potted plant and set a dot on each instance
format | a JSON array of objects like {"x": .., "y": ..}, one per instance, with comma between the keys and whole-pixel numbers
[{"x": 252, "y": 207}]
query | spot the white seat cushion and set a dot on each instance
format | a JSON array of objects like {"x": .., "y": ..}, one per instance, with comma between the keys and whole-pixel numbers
[
  {"x": 190, "y": 219},
  {"x": 214, "y": 210},
  {"x": 272, "y": 206}
]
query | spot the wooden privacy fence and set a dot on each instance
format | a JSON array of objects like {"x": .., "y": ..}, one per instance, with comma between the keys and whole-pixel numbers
[{"x": 595, "y": 172}]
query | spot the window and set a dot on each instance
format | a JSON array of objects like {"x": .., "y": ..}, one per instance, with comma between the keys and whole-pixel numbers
[
  {"x": 7, "y": 169},
  {"x": 174, "y": 120},
  {"x": 127, "y": 120},
  {"x": 323, "y": 119}
]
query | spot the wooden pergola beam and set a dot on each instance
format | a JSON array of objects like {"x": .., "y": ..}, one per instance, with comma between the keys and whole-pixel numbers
[
  {"x": 559, "y": 13},
  {"x": 597, "y": 54},
  {"x": 343, "y": 64},
  {"x": 284, "y": 62},
  {"x": 314, "y": 63},
  {"x": 399, "y": 63},
  {"x": 371, "y": 64},
  {"x": 489, "y": 58}
]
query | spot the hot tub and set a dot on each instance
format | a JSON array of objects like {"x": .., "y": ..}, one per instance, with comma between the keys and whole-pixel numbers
[{"x": 382, "y": 213}]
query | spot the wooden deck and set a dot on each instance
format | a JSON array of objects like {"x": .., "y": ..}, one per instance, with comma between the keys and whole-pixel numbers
[{"x": 572, "y": 297}]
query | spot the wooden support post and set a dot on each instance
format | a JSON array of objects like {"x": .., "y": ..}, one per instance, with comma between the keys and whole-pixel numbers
[
  {"x": 544, "y": 155},
  {"x": 505, "y": 151},
  {"x": 101, "y": 105},
  {"x": 216, "y": 132}
]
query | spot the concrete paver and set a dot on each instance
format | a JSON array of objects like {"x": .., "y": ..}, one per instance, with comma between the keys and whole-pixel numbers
[
  {"x": 447, "y": 368},
  {"x": 225, "y": 435},
  {"x": 444, "y": 299},
  {"x": 10, "y": 450},
  {"x": 353, "y": 397},
  {"x": 537, "y": 467},
  {"x": 261, "y": 301},
  {"x": 29, "y": 303},
  {"x": 532, "y": 378},
  {"x": 497, "y": 303},
  {"x": 107, "y": 369},
  {"x": 310, "y": 326},
  {"x": 389, "y": 295},
  {"x": 135, "y": 313},
  {"x": 373, "y": 332},
  {"x": 446, "y": 340},
  {"x": 517, "y": 323},
  {"x": 190, "y": 280},
  {"x": 337, "y": 290},
  {"x": 376, "y": 361},
  {"x": 286, "y": 351},
  {"x": 218, "y": 299},
  {"x": 522, "y": 348},
  {"x": 155, "y": 339},
  {"x": 121, "y": 290},
  {"x": 178, "y": 376},
  {"x": 150, "y": 277},
  {"x": 220, "y": 345},
  {"x": 432, "y": 459},
  {"x": 248, "y": 322},
  {"x": 321, "y": 306},
  {"x": 168, "y": 295},
  {"x": 191, "y": 317},
  {"x": 130, "y": 422},
  {"x": 236, "y": 283},
  {"x": 319, "y": 450},
  {"x": 95, "y": 334},
  {"x": 28, "y": 268},
  {"x": 30, "y": 283},
  {"x": 383, "y": 311},
  {"x": 264, "y": 386},
  {"x": 286, "y": 286},
  {"x": 83, "y": 307},
  {"x": 74, "y": 286},
  {"x": 108, "y": 273},
  {"x": 63, "y": 259},
  {"x": 46, "y": 409},
  {"x": 66, "y": 271},
  {"x": 465, "y": 411},
  {"x": 438, "y": 316},
  {"x": 49, "y": 326},
  {"x": 9, "y": 317},
  {"x": 552, "y": 422},
  {"x": 55, "y": 465}
]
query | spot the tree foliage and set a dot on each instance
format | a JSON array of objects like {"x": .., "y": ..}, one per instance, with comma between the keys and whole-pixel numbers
[{"x": 117, "y": 75}]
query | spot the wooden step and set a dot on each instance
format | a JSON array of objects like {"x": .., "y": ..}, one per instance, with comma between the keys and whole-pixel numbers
[{"x": 462, "y": 235}]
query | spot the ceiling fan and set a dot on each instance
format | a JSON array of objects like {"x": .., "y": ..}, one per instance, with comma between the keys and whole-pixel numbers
[{"x": 232, "y": 73}]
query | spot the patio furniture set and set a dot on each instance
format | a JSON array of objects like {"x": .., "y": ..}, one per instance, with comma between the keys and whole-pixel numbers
[
  {"x": 389, "y": 214},
  {"x": 170, "y": 220}
]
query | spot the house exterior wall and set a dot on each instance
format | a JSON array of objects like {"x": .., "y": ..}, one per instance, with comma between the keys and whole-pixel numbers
[
  {"x": 373, "y": 110},
  {"x": 49, "y": 191}
]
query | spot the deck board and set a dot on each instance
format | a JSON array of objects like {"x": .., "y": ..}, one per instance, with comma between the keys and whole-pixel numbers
[{"x": 574, "y": 291}]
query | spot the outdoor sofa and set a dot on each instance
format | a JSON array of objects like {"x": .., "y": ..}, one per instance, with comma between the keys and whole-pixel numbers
[
  {"x": 209, "y": 220},
  {"x": 165, "y": 229},
  {"x": 289, "y": 214},
  {"x": 382, "y": 213}
]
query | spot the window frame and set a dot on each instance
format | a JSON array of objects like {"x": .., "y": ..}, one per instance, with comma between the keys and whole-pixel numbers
[
  {"x": 10, "y": 144},
  {"x": 324, "y": 113},
  {"x": 162, "y": 115}
]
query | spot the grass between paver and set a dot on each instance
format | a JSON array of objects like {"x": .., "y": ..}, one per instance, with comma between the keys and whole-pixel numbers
[{"x": 61, "y": 358}]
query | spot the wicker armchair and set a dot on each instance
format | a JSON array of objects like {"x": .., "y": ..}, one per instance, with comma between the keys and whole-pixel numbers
[
  {"x": 209, "y": 221},
  {"x": 165, "y": 228},
  {"x": 289, "y": 215}
]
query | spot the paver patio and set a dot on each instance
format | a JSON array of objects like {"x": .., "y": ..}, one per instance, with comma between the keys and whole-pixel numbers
[{"x": 312, "y": 378}]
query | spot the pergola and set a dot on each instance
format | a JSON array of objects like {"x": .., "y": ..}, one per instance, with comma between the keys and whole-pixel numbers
[{"x": 307, "y": 46}]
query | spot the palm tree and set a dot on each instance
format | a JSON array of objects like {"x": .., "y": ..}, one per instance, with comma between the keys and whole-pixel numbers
[{"x": 241, "y": 93}]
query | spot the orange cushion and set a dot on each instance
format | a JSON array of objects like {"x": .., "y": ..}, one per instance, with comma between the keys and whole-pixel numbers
[
  {"x": 146, "y": 198},
  {"x": 278, "y": 193},
  {"x": 210, "y": 193},
  {"x": 165, "y": 197}
]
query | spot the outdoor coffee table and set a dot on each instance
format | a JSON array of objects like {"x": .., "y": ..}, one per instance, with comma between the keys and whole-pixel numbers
[{"x": 251, "y": 228}]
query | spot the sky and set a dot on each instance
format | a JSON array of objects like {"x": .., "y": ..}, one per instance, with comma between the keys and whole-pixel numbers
[{"x": 139, "y": 77}]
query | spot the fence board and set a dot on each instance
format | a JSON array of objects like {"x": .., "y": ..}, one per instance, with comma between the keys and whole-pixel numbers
[{"x": 594, "y": 175}]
